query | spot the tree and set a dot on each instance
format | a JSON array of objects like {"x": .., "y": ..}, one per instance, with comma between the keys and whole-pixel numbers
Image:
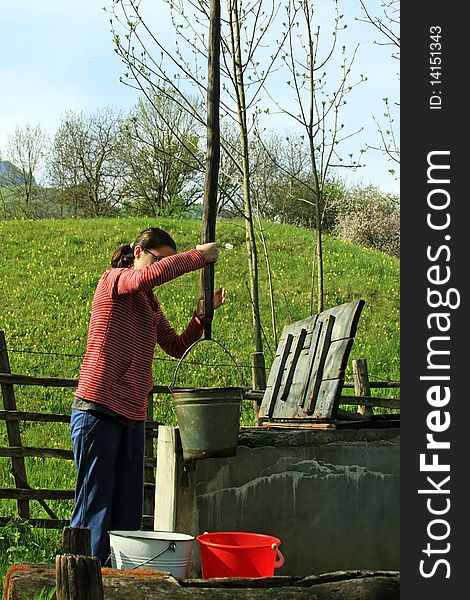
[
  {"x": 162, "y": 157},
  {"x": 86, "y": 162},
  {"x": 153, "y": 67},
  {"x": 319, "y": 78},
  {"x": 27, "y": 149},
  {"x": 387, "y": 25}
]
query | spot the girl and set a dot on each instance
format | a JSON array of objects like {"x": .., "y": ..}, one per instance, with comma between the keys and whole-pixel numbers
[{"x": 110, "y": 402}]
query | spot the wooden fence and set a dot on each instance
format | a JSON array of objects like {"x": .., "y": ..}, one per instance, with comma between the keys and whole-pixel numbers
[{"x": 24, "y": 494}]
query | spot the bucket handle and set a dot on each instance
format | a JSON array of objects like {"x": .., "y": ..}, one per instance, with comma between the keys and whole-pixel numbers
[
  {"x": 279, "y": 556},
  {"x": 188, "y": 350},
  {"x": 171, "y": 546}
]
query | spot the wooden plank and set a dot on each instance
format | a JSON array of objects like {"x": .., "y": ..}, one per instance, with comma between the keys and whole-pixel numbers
[
  {"x": 370, "y": 401},
  {"x": 13, "y": 428},
  {"x": 16, "y": 452},
  {"x": 325, "y": 404},
  {"x": 346, "y": 318},
  {"x": 316, "y": 335},
  {"x": 36, "y": 494},
  {"x": 39, "y": 523},
  {"x": 299, "y": 424},
  {"x": 293, "y": 329},
  {"x": 12, "y": 378},
  {"x": 280, "y": 374},
  {"x": 45, "y": 506},
  {"x": 21, "y": 415},
  {"x": 300, "y": 381},
  {"x": 166, "y": 484},
  {"x": 316, "y": 374},
  {"x": 375, "y": 384},
  {"x": 292, "y": 362},
  {"x": 308, "y": 324},
  {"x": 269, "y": 386},
  {"x": 337, "y": 359}
]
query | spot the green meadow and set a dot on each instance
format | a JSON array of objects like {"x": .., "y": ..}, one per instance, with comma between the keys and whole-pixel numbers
[{"x": 48, "y": 273}]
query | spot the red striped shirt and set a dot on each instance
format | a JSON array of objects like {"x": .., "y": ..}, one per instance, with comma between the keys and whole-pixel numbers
[{"x": 126, "y": 323}]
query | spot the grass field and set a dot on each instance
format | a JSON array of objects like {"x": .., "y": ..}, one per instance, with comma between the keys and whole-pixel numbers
[{"x": 48, "y": 273}]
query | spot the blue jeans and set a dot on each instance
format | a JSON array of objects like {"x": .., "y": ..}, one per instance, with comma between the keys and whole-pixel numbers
[{"x": 109, "y": 488}]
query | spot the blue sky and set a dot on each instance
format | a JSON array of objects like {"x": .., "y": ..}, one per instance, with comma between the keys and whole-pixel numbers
[{"x": 58, "y": 56}]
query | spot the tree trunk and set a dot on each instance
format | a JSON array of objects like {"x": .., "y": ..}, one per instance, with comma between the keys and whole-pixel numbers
[{"x": 248, "y": 212}]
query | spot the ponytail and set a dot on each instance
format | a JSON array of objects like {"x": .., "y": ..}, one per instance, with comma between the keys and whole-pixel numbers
[{"x": 123, "y": 256}]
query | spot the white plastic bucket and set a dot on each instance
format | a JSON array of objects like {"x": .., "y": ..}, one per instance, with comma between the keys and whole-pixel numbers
[{"x": 159, "y": 550}]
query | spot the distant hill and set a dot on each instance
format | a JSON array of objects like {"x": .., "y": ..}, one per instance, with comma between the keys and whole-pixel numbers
[{"x": 10, "y": 174}]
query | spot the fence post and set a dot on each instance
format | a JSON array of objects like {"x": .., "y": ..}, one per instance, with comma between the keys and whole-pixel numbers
[
  {"x": 76, "y": 540},
  {"x": 13, "y": 430},
  {"x": 258, "y": 370},
  {"x": 166, "y": 485},
  {"x": 149, "y": 471},
  {"x": 78, "y": 575},
  {"x": 361, "y": 384}
]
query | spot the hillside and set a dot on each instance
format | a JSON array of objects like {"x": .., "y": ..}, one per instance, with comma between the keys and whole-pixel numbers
[
  {"x": 49, "y": 269},
  {"x": 10, "y": 174},
  {"x": 48, "y": 273}
]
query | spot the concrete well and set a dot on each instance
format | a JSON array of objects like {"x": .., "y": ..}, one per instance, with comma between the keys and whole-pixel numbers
[{"x": 331, "y": 496}]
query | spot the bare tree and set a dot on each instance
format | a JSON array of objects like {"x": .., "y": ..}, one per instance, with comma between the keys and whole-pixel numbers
[
  {"x": 27, "y": 149},
  {"x": 319, "y": 79},
  {"x": 386, "y": 24},
  {"x": 151, "y": 66},
  {"x": 86, "y": 161}
]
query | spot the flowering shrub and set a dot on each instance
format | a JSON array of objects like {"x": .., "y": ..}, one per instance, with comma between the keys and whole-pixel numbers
[{"x": 368, "y": 217}]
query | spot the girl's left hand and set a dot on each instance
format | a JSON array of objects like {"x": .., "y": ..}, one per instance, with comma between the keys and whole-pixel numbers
[{"x": 219, "y": 299}]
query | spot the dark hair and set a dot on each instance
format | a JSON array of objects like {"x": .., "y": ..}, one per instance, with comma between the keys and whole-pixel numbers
[{"x": 154, "y": 237}]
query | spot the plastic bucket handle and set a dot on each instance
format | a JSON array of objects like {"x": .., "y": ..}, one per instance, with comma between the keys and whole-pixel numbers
[{"x": 279, "y": 557}]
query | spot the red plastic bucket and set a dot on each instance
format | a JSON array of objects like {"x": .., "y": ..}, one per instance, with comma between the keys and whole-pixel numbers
[{"x": 239, "y": 554}]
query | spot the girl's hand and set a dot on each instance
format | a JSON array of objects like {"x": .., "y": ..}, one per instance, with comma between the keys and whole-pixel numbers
[
  {"x": 210, "y": 251},
  {"x": 219, "y": 299}
]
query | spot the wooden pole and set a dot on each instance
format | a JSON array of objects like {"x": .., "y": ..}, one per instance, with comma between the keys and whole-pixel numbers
[
  {"x": 78, "y": 578},
  {"x": 166, "y": 485},
  {"x": 258, "y": 374},
  {"x": 361, "y": 384},
  {"x": 212, "y": 159},
  {"x": 13, "y": 430},
  {"x": 78, "y": 575},
  {"x": 76, "y": 540}
]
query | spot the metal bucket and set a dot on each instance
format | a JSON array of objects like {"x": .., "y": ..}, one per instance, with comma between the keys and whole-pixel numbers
[
  {"x": 208, "y": 420},
  {"x": 160, "y": 550}
]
